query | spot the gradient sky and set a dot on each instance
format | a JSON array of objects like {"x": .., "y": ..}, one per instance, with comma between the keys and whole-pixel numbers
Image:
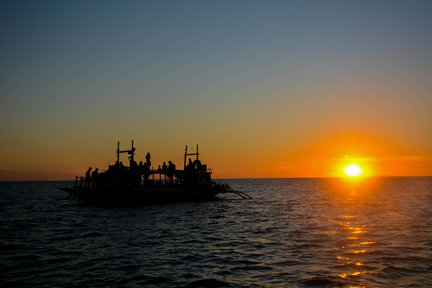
[{"x": 266, "y": 88}]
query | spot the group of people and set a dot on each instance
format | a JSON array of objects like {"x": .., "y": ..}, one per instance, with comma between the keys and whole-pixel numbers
[
  {"x": 168, "y": 170},
  {"x": 91, "y": 178},
  {"x": 195, "y": 165},
  {"x": 119, "y": 171}
]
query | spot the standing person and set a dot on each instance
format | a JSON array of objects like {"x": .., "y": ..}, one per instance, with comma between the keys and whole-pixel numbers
[
  {"x": 88, "y": 178},
  {"x": 148, "y": 159},
  {"x": 95, "y": 176},
  {"x": 171, "y": 170}
]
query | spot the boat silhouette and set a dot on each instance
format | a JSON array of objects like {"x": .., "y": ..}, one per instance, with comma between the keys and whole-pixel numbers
[{"x": 140, "y": 183}]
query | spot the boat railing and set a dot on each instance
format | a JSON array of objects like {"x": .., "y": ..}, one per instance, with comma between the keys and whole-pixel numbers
[{"x": 79, "y": 181}]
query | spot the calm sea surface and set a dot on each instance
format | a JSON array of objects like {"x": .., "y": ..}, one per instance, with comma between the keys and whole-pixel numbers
[{"x": 295, "y": 232}]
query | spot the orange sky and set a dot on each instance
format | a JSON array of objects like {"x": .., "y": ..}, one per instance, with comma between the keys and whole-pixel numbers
[{"x": 261, "y": 159}]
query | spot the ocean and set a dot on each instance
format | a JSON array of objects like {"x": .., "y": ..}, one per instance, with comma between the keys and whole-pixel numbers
[{"x": 295, "y": 233}]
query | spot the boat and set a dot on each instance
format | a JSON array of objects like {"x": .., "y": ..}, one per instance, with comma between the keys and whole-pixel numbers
[{"x": 138, "y": 184}]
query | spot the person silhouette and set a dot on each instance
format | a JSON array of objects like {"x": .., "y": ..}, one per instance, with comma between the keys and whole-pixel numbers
[
  {"x": 94, "y": 177},
  {"x": 88, "y": 177},
  {"x": 148, "y": 159},
  {"x": 171, "y": 170}
]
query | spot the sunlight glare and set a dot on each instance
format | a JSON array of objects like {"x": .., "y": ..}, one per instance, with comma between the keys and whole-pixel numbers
[{"x": 353, "y": 170}]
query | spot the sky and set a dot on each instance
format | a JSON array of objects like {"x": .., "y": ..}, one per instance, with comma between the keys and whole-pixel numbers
[{"x": 266, "y": 88}]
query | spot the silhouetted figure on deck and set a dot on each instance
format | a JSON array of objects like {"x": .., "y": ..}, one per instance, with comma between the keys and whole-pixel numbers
[
  {"x": 146, "y": 171},
  {"x": 171, "y": 170},
  {"x": 132, "y": 164},
  {"x": 94, "y": 177},
  {"x": 164, "y": 168},
  {"x": 190, "y": 165},
  {"x": 148, "y": 159},
  {"x": 88, "y": 177}
]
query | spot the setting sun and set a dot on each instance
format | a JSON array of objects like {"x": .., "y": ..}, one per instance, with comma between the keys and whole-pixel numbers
[{"x": 353, "y": 170}]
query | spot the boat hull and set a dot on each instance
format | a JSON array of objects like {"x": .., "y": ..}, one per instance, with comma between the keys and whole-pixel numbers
[{"x": 139, "y": 195}]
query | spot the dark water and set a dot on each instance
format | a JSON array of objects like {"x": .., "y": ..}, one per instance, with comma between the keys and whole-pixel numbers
[{"x": 295, "y": 233}]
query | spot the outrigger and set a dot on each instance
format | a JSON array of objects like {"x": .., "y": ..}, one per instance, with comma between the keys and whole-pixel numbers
[{"x": 136, "y": 184}]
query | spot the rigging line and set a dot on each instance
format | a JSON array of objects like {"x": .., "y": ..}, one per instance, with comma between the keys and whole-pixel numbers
[
  {"x": 178, "y": 160},
  {"x": 107, "y": 163},
  {"x": 140, "y": 156}
]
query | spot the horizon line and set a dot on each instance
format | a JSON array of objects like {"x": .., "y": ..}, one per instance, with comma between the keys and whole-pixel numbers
[{"x": 269, "y": 178}]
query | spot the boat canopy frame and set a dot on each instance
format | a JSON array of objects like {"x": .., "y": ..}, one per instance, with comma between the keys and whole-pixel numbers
[
  {"x": 190, "y": 154},
  {"x": 131, "y": 152}
]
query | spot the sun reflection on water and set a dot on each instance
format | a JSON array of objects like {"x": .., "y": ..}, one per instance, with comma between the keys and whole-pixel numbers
[
  {"x": 353, "y": 233},
  {"x": 353, "y": 247}
]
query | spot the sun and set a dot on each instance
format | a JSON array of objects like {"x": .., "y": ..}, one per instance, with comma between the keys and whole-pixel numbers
[{"x": 353, "y": 170}]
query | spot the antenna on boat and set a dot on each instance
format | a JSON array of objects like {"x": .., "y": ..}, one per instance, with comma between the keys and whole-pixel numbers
[
  {"x": 131, "y": 152},
  {"x": 118, "y": 152},
  {"x": 185, "y": 158}
]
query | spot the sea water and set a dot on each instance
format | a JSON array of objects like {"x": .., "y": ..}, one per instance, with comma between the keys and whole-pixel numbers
[{"x": 294, "y": 233}]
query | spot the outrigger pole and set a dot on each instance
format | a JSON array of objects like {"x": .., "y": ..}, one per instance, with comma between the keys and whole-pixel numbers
[
  {"x": 130, "y": 152},
  {"x": 190, "y": 154}
]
